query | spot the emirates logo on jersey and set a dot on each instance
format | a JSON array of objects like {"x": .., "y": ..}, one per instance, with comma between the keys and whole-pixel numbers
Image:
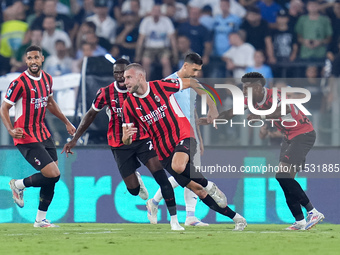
[
  {"x": 155, "y": 115},
  {"x": 37, "y": 161},
  {"x": 39, "y": 102}
]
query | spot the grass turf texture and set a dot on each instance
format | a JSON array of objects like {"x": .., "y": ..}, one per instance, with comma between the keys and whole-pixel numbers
[{"x": 93, "y": 238}]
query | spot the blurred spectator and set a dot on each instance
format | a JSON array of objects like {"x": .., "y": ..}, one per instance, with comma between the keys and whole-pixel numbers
[
  {"x": 235, "y": 8},
  {"x": 62, "y": 21},
  {"x": 184, "y": 48},
  {"x": 180, "y": 10},
  {"x": 84, "y": 12},
  {"x": 92, "y": 39},
  {"x": 296, "y": 9},
  {"x": 86, "y": 51},
  {"x": 284, "y": 39},
  {"x": 12, "y": 34},
  {"x": 246, "y": 3},
  {"x": 156, "y": 33},
  {"x": 144, "y": 6},
  {"x": 260, "y": 67},
  {"x": 127, "y": 34},
  {"x": 314, "y": 32},
  {"x": 225, "y": 24},
  {"x": 256, "y": 32},
  {"x": 200, "y": 37},
  {"x": 269, "y": 10},
  {"x": 334, "y": 14},
  {"x": 51, "y": 35},
  {"x": 59, "y": 63},
  {"x": 117, "y": 10},
  {"x": 206, "y": 18},
  {"x": 90, "y": 27},
  {"x": 38, "y": 11},
  {"x": 239, "y": 56},
  {"x": 18, "y": 62},
  {"x": 336, "y": 63},
  {"x": 105, "y": 25},
  {"x": 313, "y": 85},
  {"x": 115, "y": 51}
]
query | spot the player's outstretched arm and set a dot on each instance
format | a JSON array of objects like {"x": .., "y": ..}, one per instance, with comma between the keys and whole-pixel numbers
[
  {"x": 199, "y": 89},
  {"x": 53, "y": 107},
  {"x": 83, "y": 126}
]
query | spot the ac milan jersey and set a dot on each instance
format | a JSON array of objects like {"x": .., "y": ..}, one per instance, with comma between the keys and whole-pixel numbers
[
  {"x": 113, "y": 97},
  {"x": 159, "y": 115},
  {"x": 294, "y": 123},
  {"x": 29, "y": 95}
]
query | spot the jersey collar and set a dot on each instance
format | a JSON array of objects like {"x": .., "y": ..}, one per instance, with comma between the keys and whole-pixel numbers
[
  {"x": 32, "y": 77},
  {"x": 118, "y": 89},
  {"x": 145, "y": 94}
]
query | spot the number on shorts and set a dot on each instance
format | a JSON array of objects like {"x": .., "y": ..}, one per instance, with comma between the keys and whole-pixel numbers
[{"x": 150, "y": 145}]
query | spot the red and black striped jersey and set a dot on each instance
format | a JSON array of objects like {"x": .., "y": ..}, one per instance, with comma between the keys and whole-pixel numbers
[
  {"x": 113, "y": 97},
  {"x": 293, "y": 124},
  {"x": 160, "y": 115},
  {"x": 29, "y": 95}
]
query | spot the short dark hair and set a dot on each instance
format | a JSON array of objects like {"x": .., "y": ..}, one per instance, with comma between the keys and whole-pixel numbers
[
  {"x": 122, "y": 61},
  {"x": 33, "y": 48},
  {"x": 90, "y": 24},
  {"x": 253, "y": 77},
  {"x": 193, "y": 58}
]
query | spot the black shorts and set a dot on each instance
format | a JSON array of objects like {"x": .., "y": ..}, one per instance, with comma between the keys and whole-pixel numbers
[
  {"x": 128, "y": 156},
  {"x": 294, "y": 151},
  {"x": 39, "y": 155},
  {"x": 188, "y": 146}
]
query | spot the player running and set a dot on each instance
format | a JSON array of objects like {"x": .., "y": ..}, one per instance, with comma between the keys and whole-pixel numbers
[
  {"x": 127, "y": 156},
  {"x": 298, "y": 140},
  {"x": 152, "y": 107},
  {"x": 31, "y": 94},
  {"x": 186, "y": 100}
]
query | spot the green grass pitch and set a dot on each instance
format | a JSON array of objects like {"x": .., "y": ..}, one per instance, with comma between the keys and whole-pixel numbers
[{"x": 93, "y": 238}]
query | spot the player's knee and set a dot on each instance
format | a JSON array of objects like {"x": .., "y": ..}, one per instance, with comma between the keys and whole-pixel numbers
[{"x": 178, "y": 167}]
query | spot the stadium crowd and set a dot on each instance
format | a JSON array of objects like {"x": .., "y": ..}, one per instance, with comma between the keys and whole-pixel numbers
[{"x": 279, "y": 38}]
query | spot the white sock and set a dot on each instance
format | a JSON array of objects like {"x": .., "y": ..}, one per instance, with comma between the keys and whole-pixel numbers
[
  {"x": 237, "y": 216},
  {"x": 302, "y": 222},
  {"x": 40, "y": 216},
  {"x": 19, "y": 184},
  {"x": 174, "y": 218},
  {"x": 190, "y": 199},
  {"x": 209, "y": 186},
  {"x": 158, "y": 196}
]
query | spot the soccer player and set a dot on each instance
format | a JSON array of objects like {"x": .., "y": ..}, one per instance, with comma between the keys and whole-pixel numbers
[
  {"x": 152, "y": 107},
  {"x": 298, "y": 140},
  {"x": 186, "y": 99},
  {"x": 31, "y": 94},
  {"x": 127, "y": 156}
]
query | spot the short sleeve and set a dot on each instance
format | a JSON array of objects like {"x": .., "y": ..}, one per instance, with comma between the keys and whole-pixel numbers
[
  {"x": 143, "y": 26},
  {"x": 14, "y": 92},
  {"x": 99, "y": 102},
  {"x": 171, "y": 86}
]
